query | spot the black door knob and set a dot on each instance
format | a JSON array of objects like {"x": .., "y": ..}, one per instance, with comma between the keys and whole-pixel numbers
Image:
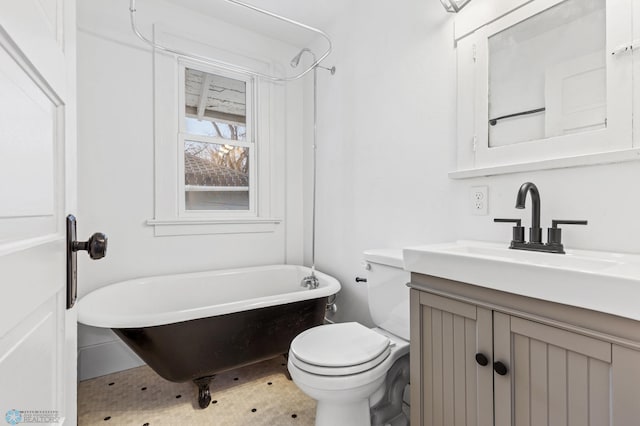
[
  {"x": 500, "y": 368},
  {"x": 96, "y": 246},
  {"x": 482, "y": 359}
]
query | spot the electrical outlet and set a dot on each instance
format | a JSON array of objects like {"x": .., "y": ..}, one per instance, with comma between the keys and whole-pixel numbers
[{"x": 479, "y": 200}]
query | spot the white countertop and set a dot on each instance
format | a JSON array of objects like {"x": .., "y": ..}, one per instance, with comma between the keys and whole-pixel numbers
[{"x": 600, "y": 281}]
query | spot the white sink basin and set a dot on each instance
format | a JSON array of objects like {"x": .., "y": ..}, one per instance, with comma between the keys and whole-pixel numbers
[{"x": 601, "y": 281}]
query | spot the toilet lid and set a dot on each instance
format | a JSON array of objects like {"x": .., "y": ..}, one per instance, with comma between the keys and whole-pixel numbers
[{"x": 339, "y": 345}]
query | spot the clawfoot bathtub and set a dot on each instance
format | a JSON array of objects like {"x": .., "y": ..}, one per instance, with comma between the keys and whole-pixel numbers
[{"x": 192, "y": 326}]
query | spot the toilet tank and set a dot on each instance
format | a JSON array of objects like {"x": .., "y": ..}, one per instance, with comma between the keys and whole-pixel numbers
[{"x": 388, "y": 292}]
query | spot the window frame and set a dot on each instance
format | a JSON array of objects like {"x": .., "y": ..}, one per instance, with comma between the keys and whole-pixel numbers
[
  {"x": 251, "y": 141},
  {"x": 268, "y": 129}
]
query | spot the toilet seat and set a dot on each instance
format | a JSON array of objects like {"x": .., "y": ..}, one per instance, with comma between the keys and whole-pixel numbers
[
  {"x": 340, "y": 371},
  {"x": 339, "y": 349}
]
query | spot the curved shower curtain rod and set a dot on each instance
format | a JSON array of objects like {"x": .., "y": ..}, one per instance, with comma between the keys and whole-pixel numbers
[{"x": 231, "y": 67}]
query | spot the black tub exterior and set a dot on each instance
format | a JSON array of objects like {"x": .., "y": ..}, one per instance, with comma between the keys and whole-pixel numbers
[{"x": 199, "y": 348}]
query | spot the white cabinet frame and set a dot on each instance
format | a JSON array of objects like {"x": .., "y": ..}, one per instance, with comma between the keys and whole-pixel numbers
[{"x": 611, "y": 144}]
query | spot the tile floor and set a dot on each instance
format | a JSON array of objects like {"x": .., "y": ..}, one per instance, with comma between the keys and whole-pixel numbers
[{"x": 255, "y": 395}]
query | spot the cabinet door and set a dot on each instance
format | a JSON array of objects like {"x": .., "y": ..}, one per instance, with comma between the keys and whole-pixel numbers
[
  {"x": 555, "y": 377},
  {"x": 453, "y": 389},
  {"x": 625, "y": 386}
]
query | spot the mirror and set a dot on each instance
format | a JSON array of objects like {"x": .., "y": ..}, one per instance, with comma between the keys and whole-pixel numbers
[{"x": 547, "y": 74}]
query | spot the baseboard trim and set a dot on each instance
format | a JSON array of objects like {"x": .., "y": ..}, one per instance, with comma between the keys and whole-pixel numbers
[{"x": 105, "y": 358}]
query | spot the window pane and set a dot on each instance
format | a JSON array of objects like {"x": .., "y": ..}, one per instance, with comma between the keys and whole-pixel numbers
[
  {"x": 215, "y": 129},
  {"x": 215, "y": 106},
  {"x": 216, "y": 176}
]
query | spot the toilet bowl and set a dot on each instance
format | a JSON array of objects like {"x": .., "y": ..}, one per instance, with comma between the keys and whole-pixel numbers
[{"x": 358, "y": 374}]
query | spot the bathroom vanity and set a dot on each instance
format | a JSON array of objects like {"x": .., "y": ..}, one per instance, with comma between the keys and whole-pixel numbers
[{"x": 501, "y": 337}]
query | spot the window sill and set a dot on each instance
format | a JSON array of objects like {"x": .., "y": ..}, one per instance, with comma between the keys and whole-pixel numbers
[
  {"x": 557, "y": 163},
  {"x": 200, "y": 226}
]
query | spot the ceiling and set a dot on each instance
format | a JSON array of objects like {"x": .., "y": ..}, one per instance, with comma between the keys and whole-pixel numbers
[{"x": 315, "y": 13}]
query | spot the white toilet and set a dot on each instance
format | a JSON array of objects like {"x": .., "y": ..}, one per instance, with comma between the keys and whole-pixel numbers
[{"x": 358, "y": 374}]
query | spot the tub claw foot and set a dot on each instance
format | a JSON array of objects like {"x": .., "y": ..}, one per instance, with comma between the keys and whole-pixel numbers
[
  {"x": 204, "y": 393},
  {"x": 204, "y": 396}
]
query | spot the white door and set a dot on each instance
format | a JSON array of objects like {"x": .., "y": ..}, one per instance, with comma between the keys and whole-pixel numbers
[{"x": 37, "y": 189}]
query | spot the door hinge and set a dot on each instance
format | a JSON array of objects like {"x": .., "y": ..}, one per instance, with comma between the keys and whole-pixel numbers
[{"x": 475, "y": 143}]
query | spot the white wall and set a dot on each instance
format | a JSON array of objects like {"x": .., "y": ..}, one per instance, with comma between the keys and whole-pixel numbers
[
  {"x": 604, "y": 195},
  {"x": 116, "y": 163},
  {"x": 386, "y": 143}
]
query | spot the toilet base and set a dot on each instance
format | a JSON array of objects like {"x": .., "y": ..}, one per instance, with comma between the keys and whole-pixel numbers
[
  {"x": 355, "y": 413},
  {"x": 388, "y": 410}
]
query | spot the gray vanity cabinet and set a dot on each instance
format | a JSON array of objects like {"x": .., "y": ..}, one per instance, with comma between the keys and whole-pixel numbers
[
  {"x": 557, "y": 373},
  {"x": 448, "y": 387},
  {"x": 553, "y": 374}
]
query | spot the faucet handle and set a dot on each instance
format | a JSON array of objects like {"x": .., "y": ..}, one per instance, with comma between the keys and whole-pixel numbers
[
  {"x": 518, "y": 229},
  {"x": 556, "y": 222},
  {"x": 518, "y": 222},
  {"x": 554, "y": 234}
]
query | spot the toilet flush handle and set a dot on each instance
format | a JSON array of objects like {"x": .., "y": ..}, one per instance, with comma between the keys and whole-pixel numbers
[{"x": 367, "y": 267}]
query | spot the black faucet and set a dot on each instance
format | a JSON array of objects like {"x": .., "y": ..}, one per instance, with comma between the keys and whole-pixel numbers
[
  {"x": 535, "y": 232},
  {"x": 554, "y": 234}
]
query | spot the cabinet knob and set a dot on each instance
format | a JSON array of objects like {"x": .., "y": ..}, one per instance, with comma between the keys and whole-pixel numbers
[
  {"x": 500, "y": 368},
  {"x": 481, "y": 359}
]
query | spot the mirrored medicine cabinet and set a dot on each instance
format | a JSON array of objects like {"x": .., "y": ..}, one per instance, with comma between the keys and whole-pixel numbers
[{"x": 547, "y": 84}]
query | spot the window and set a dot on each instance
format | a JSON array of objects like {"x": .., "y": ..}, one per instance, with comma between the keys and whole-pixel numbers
[
  {"x": 215, "y": 134},
  {"x": 216, "y": 140}
]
